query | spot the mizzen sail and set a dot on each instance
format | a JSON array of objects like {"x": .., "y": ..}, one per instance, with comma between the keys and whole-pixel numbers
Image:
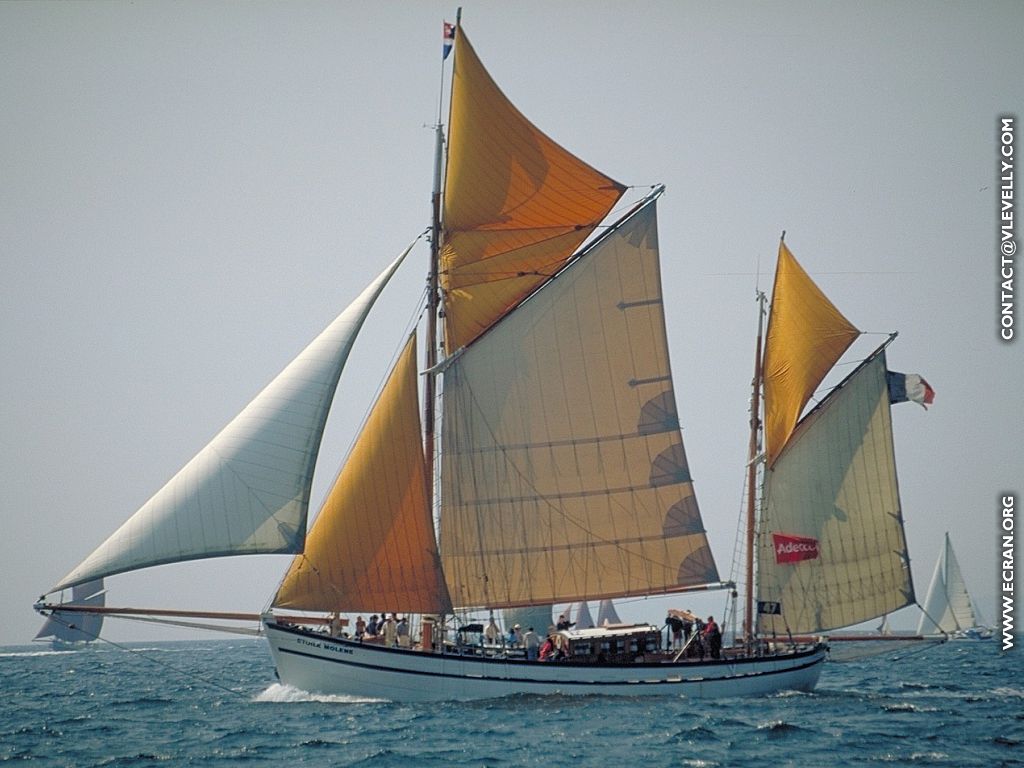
[
  {"x": 247, "y": 491},
  {"x": 516, "y": 204},
  {"x": 564, "y": 475},
  {"x": 832, "y": 550}
]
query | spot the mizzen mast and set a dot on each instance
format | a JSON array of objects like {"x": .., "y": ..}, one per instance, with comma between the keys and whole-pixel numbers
[{"x": 752, "y": 461}]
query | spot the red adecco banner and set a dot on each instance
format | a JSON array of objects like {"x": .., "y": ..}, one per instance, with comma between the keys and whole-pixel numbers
[{"x": 792, "y": 549}]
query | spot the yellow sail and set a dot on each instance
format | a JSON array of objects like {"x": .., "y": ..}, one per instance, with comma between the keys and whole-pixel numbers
[
  {"x": 516, "y": 204},
  {"x": 372, "y": 545},
  {"x": 806, "y": 336},
  {"x": 832, "y": 548},
  {"x": 564, "y": 475}
]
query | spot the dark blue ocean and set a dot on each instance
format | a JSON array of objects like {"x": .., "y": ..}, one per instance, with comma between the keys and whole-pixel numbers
[{"x": 216, "y": 703}]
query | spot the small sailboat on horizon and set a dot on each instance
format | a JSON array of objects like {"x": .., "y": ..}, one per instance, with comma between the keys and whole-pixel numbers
[
  {"x": 555, "y": 466},
  {"x": 948, "y": 609},
  {"x": 72, "y": 631}
]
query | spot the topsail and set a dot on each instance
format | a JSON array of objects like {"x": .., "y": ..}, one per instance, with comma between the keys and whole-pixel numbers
[{"x": 516, "y": 204}]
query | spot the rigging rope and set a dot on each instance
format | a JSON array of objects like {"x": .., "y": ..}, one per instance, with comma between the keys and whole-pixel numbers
[{"x": 139, "y": 652}]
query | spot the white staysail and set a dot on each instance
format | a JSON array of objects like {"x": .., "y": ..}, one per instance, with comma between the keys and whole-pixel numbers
[
  {"x": 247, "y": 491},
  {"x": 948, "y": 606}
]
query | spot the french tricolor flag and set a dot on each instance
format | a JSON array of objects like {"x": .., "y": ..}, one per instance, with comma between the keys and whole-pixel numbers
[
  {"x": 449, "y": 40},
  {"x": 909, "y": 386}
]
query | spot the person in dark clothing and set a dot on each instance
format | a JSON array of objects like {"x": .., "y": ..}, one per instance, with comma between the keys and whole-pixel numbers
[
  {"x": 687, "y": 629},
  {"x": 675, "y": 626},
  {"x": 713, "y": 638},
  {"x": 696, "y": 648}
]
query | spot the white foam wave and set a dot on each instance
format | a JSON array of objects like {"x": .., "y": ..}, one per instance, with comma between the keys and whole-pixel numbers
[
  {"x": 26, "y": 654},
  {"x": 286, "y": 694},
  {"x": 1008, "y": 692}
]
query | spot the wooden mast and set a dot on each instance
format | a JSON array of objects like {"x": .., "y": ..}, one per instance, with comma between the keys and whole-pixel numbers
[
  {"x": 433, "y": 310},
  {"x": 430, "y": 384},
  {"x": 752, "y": 460},
  {"x": 433, "y": 295}
]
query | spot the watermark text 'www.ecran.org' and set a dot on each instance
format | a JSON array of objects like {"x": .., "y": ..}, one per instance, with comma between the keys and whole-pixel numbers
[
  {"x": 1006, "y": 572},
  {"x": 1007, "y": 236}
]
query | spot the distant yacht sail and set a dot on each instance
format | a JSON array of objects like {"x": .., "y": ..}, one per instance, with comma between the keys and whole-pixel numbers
[
  {"x": 948, "y": 608},
  {"x": 65, "y": 629},
  {"x": 606, "y": 614},
  {"x": 581, "y": 616}
]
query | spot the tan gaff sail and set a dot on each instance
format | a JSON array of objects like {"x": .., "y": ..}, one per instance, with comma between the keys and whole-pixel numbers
[
  {"x": 806, "y": 336},
  {"x": 563, "y": 470},
  {"x": 835, "y": 482},
  {"x": 516, "y": 204},
  {"x": 372, "y": 545},
  {"x": 246, "y": 492}
]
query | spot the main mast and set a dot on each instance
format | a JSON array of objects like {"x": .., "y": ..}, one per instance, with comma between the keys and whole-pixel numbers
[
  {"x": 430, "y": 385},
  {"x": 433, "y": 295}
]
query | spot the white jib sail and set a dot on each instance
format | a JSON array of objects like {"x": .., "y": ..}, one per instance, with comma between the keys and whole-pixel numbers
[{"x": 247, "y": 491}]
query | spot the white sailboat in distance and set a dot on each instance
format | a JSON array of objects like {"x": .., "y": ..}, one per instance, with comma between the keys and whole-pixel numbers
[{"x": 948, "y": 609}]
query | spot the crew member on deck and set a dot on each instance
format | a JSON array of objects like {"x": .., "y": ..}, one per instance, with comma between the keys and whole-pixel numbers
[
  {"x": 390, "y": 631},
  {"x": 675, "y": 625},
  {"x": 491, "y": 633},
  {"x": 531, "y": 641},
  {"x": 713, "y": 638},
  {"x": 514, "y": 637},
  {"x": 335, "y": 625},
  {"x": 547, "y": 650}
]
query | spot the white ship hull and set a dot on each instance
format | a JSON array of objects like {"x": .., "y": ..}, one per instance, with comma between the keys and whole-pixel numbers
[{"x": 317, "y": 663}]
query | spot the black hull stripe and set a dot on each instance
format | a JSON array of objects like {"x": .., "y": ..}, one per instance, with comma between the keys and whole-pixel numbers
[{"x": 532, "y": 681}]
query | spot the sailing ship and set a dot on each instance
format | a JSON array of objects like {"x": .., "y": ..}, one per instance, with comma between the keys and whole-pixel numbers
[
  {"x": 948, "y": 609},
  {"x": 72, "y": 631},
  {"x": 559, "y": 475}
]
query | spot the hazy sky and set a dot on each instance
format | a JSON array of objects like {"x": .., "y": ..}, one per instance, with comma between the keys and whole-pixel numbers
[{"x": 189, "y": 192}]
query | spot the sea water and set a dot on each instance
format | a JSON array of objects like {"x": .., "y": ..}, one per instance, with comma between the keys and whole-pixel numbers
[{"x": 217, "y": 703}]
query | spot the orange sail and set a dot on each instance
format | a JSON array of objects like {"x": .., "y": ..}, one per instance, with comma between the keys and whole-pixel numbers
[
  {"x": 806, "y": 336},
  {"x": 372, "y": 545},
  {"x": 516, "y": 204}
]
